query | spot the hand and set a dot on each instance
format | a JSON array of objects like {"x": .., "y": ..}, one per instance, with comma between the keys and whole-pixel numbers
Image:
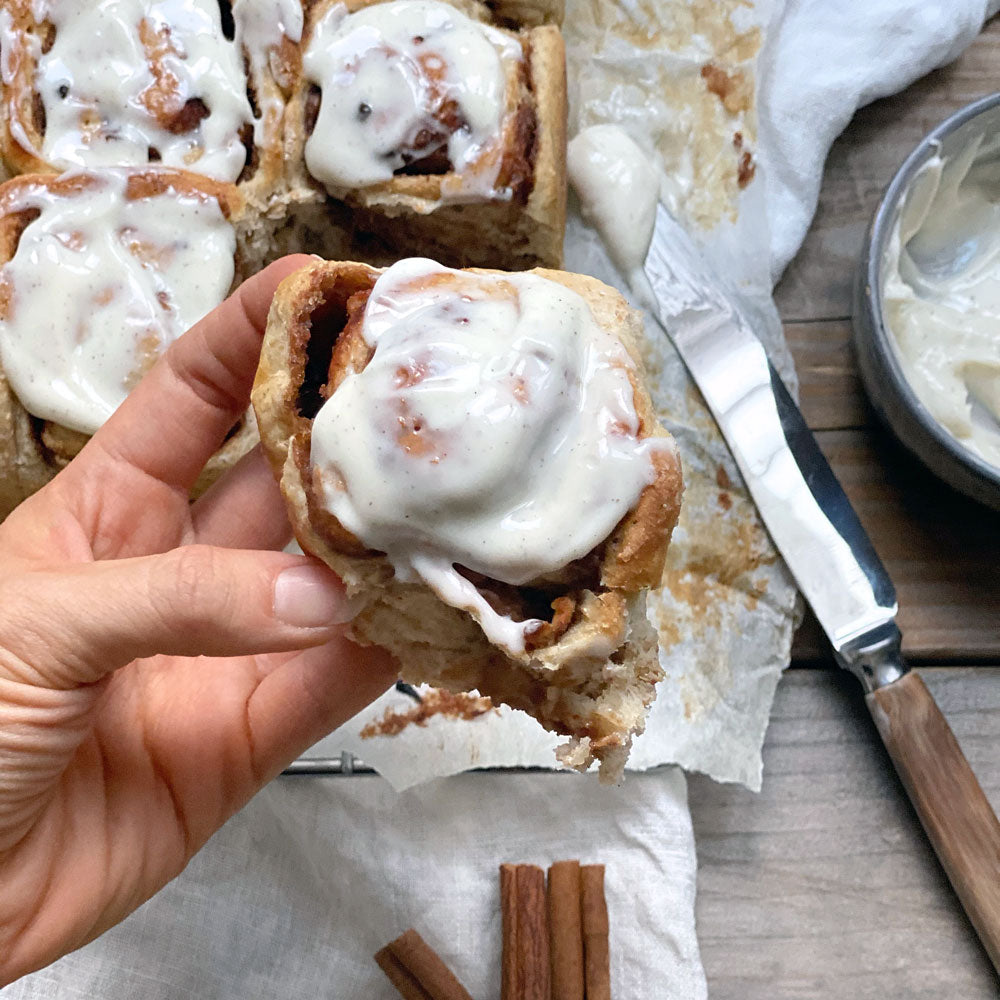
[{"x": 156, "y": 667}]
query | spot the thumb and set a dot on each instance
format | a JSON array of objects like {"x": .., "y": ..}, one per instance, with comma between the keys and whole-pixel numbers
[{"x": 69, "y": 627}]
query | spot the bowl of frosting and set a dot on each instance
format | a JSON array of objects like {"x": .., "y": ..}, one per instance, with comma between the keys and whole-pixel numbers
[{"x": 927, "y": 302}]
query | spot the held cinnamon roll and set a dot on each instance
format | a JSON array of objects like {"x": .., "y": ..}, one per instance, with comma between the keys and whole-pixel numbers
[
  {"x": 138, "y": 82},
  {"x": 425, "y": 127},
  {"x": 100, "y": 272},
  {"x": 476, "y": 455}
]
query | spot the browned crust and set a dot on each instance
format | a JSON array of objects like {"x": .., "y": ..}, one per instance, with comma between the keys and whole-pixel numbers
[
  {"x": 407, "y": 211},
  {"x": 560, "y": 684},
  {"x": 32, "y": 451},
  {"x": 271, "y": 84},
  {"x": 21, "y": 104}
]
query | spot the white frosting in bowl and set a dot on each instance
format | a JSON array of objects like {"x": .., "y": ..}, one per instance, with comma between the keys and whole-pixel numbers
[
  {"x": 941, "y": 294},
  {"x": 494, "y": 428},
  {"x": 100, "y": 284}
]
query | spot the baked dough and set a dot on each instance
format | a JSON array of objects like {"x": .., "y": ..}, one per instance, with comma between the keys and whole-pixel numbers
[
  {"x": 32, "y": 450},
  {"x": 591, "y": 670}
]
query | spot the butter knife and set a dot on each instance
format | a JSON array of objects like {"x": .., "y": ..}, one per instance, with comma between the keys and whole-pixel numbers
[{"x": 831, "y": 557}]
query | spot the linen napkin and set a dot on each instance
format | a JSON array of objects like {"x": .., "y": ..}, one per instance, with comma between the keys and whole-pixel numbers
[
  {"x": 295, "y": 894},
  {"x": 823, "y": 60}
]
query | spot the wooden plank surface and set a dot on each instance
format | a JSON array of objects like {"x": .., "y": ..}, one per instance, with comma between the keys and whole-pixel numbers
[
  {"x": 941, "y": 550},
  {"x": 823, "y": 886}
]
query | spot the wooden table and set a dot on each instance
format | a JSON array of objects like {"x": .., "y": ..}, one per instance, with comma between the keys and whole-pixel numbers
[{"x": 822, "y": 887}]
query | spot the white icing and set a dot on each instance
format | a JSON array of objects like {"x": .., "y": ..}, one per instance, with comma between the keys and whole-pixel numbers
[
  {"x": 618, "y": 188},
  {"x": 98, "y": 62},
  {"x": 261, "y": 26},
  {"x": 494, "y": 428},
  {"x": 99, "y": 286},
  {"x": 941, "y": 297},
  {"x": 378, "y": 93}
]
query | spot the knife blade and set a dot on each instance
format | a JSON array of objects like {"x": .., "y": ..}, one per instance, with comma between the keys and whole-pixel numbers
[{"x": 834, "y": 563}]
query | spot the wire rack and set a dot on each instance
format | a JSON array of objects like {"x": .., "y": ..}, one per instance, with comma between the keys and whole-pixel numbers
[{"x": 347, "y": 764}]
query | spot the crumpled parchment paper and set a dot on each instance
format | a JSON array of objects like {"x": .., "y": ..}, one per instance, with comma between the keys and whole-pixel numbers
[{"x": 681, "y": 79}]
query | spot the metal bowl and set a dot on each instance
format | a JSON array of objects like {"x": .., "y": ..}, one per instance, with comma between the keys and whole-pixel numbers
[{"x": 888, "y": 389}]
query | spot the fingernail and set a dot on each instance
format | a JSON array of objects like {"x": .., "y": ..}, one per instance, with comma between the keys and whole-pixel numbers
[{"x": 310, "y": 597}]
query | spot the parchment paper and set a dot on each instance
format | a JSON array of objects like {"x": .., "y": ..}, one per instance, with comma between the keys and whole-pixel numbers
[{"x": 726, "y": 608}]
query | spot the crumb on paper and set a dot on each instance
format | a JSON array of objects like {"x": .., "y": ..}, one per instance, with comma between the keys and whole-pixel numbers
[
  {"x": 718, "y": 572},
  {"x": 745, "y": 165},
  {"x": 734, "y": 88},
  {"x": 434, "y": 702}
]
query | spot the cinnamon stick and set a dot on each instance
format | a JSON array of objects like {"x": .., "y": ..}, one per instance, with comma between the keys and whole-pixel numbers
[
  {"x": 417, "y": 972},
  {"x": 594, "y": 912},
  {"x": 566, "y": 930},
  {"x": 525, "y": 970},
  {"x": 508, "y": 915}
]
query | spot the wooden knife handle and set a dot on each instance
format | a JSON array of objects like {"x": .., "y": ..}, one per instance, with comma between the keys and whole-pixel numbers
[{"x": 956, "y": 815}]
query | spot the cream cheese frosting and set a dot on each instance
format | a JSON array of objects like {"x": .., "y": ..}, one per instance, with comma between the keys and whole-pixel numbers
[
  {"x": 99, "y": 286},
  {"x": 941, "y": 294},
  {"x": 388, "y": 74},
  {"x": 494, "y": 429}
]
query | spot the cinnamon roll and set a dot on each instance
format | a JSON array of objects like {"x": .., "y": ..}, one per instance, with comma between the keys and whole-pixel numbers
[
  {"x": 474, "y": 452},
  {"x": 192, "y": 84},
  {"x": 425, "y": 129},
  {"x": 99, "y": 272}
]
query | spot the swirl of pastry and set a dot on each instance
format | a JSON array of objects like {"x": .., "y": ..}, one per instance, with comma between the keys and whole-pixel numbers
[
  {"x": 132, "y": 82},
  {"x": 493, "y": 428},
  {"x": 407, "y": 85}
]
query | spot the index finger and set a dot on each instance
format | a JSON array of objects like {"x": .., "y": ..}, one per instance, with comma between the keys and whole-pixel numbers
[{"x": 180, "y": 413}]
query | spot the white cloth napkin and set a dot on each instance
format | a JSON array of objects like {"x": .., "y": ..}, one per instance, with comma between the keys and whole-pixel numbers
[
  {"x": 293, "y": 896},
  {"x": 823, "y": 60}
]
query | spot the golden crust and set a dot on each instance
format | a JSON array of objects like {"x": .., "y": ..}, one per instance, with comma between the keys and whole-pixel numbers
[
  {"x": 595, "y": 678},
  {"x": 32, "y": 451},
  {"x": 22, "y": 131},
  {"x": 410, "y": 211}
]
